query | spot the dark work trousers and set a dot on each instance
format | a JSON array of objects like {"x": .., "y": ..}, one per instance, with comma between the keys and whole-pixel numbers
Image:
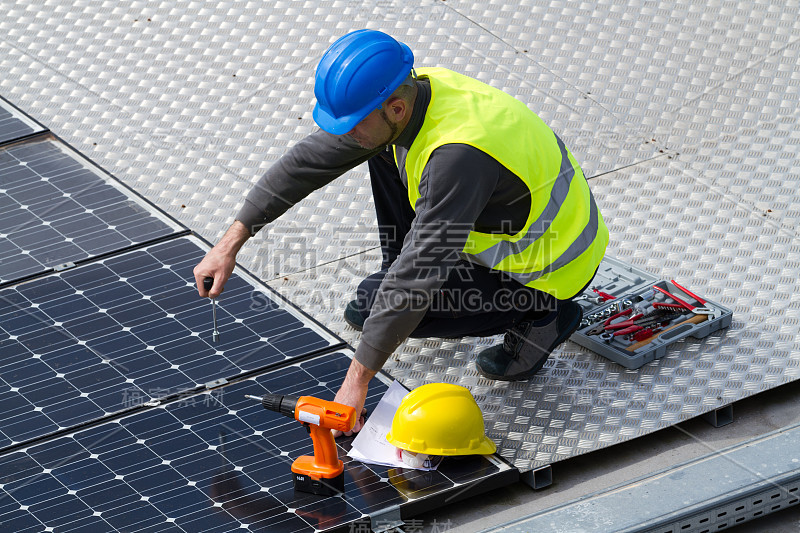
[{"x": 474, "y": 300}]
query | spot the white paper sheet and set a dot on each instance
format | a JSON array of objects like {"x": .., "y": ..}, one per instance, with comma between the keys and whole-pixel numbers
[{"x": 370, "y": 445}]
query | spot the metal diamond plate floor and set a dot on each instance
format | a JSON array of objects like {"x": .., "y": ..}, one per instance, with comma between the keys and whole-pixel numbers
[
  {"x": 189, "y": 104},
  {"x": 667, "y": 223},
  {"x": 686, "y": 111},
  {"x": 652, "y": 63}
]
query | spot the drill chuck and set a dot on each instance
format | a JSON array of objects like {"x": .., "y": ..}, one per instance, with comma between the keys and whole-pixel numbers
[{"x": 283, "y": 404}]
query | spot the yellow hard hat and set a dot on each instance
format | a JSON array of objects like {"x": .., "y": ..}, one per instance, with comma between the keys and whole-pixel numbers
[{"x": 440, "y": 419}]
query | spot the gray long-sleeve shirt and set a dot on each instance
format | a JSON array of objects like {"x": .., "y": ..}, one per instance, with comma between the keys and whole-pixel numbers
[{"x": 461, "y": 189}]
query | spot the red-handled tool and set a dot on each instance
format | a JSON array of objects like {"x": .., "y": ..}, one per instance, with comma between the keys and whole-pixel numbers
[
  {"x": 662, "y": 305},
  {"x": 696, "y": 319},
  {"x": 712, "y": 312},
  {"x": 600, "y": 327},
  {"x": 625, "y": 323},
  {"x": 644, "y": 334},
  {"x": 604, "y": 295}
]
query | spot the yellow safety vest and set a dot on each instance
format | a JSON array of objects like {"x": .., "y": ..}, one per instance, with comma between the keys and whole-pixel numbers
[{"x": 564, "y": 238}]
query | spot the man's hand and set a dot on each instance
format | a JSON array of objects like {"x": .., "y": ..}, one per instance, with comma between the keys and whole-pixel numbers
[
  {"x": 220, "y": 260},
  {"x": 353, "y": 392}
]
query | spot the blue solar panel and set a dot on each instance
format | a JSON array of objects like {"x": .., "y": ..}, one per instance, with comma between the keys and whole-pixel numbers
[
  {"x": 116, "y": 333},
  {"x": 14, "y": 125},
  {"x": 56, "y": 208},
  {"x": 215, "y": 462},
  {"x": 123, "y": 332}
]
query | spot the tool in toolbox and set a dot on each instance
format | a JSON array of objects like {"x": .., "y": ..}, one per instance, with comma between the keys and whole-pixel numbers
[
  {"x": 322, "y": 474},
  {"x": 207, "y": 284},
  {"x": 586, "y": 297},
  {"x": 635, "y": 323},
  {"x": 603, "y": 295},
  {"x": 601, "y": 327},
  {"x": 610, "y": 329},
  {"x": 713, "y": 312},
  {"x": 701, "y": 314},
  {"x": 696, "y": 319},
  {"x": 656, "y": 319}
]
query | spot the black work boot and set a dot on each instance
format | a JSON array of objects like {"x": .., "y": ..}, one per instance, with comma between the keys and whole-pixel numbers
[
  {"x": 353, "y": 316},
  {"x": 527, "y": 345}
]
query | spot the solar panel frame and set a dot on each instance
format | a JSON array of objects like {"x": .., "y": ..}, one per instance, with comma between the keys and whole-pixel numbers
[
  {"x": 15, "y": 125},
  {"x": 112, "y": 335},
  {"x": 57, "y": 208},
  {"x": 218, "y": 461}
]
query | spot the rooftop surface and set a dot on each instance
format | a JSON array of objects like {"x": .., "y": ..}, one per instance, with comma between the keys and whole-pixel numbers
[{"x": 684, "y": 115}]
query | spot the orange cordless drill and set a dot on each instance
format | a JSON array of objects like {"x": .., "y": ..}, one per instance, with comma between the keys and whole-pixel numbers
[{"x": 322, "y": 474}]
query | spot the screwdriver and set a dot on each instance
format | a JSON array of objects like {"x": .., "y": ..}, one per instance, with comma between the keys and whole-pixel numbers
[{"x": 207, "y": 284}]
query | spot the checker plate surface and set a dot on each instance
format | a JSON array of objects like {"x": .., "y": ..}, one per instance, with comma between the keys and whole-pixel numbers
[
  {"x": 666, "y": 222},
  {"x": 715, "y": 82},
  {"x": 652, "y": 65},
  {"x": 189, "y": 104}
]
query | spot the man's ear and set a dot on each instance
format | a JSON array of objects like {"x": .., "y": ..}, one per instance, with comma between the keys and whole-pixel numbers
[{"x": 397, "y": 108}]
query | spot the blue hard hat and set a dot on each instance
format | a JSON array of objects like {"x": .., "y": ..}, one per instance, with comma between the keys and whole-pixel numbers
[{"x": 357, "y": 73}]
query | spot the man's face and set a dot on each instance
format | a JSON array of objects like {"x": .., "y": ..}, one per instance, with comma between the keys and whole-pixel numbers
[{"x": 375, "y": 130}]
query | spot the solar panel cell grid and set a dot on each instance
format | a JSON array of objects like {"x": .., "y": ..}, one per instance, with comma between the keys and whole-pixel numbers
[
  {"x": 214, "y": 461},
  {"x": 14, "y": 125},
  {"x": 111, "y": 335},
  {"x": 55, "y": 208}
]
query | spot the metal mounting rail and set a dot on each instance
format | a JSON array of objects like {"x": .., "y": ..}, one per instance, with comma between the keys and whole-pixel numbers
[{"x": 711, "y": 493}]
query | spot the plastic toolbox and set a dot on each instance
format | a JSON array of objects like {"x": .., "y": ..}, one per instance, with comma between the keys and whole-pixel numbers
[{"x": 633, "y": 289}]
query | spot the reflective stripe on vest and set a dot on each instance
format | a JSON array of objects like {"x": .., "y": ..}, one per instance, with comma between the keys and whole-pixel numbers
[
  {"x": 564, "y": 238},
  {"x": 501, "y": 250}
]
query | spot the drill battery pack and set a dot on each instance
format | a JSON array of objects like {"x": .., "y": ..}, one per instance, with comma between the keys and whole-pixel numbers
[{"x": 322, "y": 486}]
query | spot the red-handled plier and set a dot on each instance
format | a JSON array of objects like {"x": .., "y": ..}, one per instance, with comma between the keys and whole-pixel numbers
[
  {"x": 625, "y": 323},
  {"x": 600, "y": 327}
]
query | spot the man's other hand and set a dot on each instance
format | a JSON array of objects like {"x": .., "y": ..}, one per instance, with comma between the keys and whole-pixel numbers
[{"x": 353, "y": 392}]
